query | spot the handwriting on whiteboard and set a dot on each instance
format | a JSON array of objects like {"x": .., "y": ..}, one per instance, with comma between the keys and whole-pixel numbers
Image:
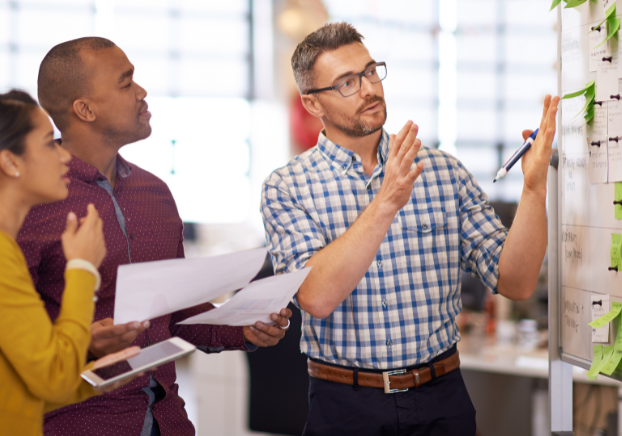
[{"x": 572, "y": 314}]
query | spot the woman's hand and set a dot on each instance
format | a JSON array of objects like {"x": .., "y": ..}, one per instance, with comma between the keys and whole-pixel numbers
[
  {"x": 114, "y": 358},
  {"x": 86, "y": 242}
]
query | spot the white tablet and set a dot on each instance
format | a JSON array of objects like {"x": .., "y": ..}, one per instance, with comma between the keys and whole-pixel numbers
[{"x": 149, "y": 357}]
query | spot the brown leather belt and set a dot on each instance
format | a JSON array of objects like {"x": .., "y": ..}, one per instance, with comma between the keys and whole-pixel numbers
[{"x": 392, "y": 381}]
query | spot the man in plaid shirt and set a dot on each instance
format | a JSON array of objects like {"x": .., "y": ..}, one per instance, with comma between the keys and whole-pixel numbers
[{"x": 387, "y": 225}]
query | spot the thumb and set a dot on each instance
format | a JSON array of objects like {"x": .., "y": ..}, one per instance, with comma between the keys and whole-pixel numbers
[
  {"x": 527, "y": 134},
  {"x": 72, "y": 223}
]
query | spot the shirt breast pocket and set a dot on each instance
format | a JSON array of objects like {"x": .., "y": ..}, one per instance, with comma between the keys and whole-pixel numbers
[{"x": 425, "y": 237}]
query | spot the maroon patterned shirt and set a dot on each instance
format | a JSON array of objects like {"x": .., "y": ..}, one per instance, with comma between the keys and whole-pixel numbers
[{"x": 154, "y": 232}]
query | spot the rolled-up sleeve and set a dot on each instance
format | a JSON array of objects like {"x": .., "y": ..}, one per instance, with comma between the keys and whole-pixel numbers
[
  {"x": 482, "y": 234},
  {"x": 293, "y": 237}
]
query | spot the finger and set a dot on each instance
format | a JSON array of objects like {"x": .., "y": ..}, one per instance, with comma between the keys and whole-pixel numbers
[
  {"x": 287, "y": 313},
  {"x": 399, "y": 139},
  {"x": 72, "y": 223},
  {"x": 117, "y": 357},
  {"x": 409, "y": 158},
  {"x": 408, "y": 141},
  {"x": 416, "y": 172},
  {"x": 281, "y": 321},
  {"x": 113, "y": 331},
  {"x": 545, "y": 109},
  {"x": 269, "y": 331},
  {"x": 527, "y": 134}
]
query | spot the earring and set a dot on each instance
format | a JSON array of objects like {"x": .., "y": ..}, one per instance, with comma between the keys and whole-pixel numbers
[{"x": 16, "y": 173}]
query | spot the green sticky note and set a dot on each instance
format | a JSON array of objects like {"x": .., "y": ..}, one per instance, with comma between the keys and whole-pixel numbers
[
  {"x": 598, "y": 357},
  {"x": 613, "y": 362},
  {"x": 579, "y": 92},
  {"x": 593, "y": 372},
  {"x": 574, "y": 3},
  {"x": 613, "y": 24},
  {"x": 611, "y": 12},
  {"x": 618, "y": 197},
  {"x": 616, "y": 251},
  {"x": 608, "y": 317},
  {"x": 555, "y": 3}
]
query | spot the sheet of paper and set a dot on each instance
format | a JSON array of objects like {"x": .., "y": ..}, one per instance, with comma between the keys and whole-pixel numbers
[
  {"x": 618, "y": 197},
  {"x": 607, "y": 4},
  {"x": 597, "y": 144},
  {"x": 255, "y": 302},
  {"x": 148, "y": 290},
  {"x": 607, "y": 78},
  {"x": 598, "y": 160},
  {"x": 614, "y": 140},
  {"x": 600, "y": 307},
  {"x": 598, "y": 51},
  {"x": 592, "y": 374},
  {"x": 616, "y": 251},
  {"x": 608, "y": 317},
  {"x": 614, "y": 360}
]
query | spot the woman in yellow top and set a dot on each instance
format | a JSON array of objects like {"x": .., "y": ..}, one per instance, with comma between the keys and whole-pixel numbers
[{"x": 41, "y": 361}]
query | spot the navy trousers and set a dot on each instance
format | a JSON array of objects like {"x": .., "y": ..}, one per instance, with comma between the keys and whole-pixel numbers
[{"x": 440, "y": 407}]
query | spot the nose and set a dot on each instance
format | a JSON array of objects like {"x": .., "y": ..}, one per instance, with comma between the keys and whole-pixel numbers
[
  {"x": 141, "y": 93},
  {"x": 367, "y": 88},
  {"x": 65, "y": 156}
]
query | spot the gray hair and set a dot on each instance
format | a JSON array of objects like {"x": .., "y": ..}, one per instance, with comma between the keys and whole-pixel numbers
[{"x": 329, "y": 37}]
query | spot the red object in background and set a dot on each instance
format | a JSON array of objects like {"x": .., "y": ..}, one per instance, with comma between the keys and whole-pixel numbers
[{"x": 303, "y": 126}]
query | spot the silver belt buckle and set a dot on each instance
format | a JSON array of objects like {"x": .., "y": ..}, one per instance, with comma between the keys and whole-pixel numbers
[{"x": 387, "y": 383}]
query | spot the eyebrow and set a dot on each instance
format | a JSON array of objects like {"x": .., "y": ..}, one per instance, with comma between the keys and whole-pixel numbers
[
  {"x": 349, "y": 73},
  {"x": 128, "y": 73}
]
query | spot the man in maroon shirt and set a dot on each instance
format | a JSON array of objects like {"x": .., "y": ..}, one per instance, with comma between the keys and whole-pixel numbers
[{"x": 87, "y": 87}]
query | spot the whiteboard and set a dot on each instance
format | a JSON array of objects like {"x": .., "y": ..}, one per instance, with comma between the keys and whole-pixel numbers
[{"x": 585, "y": 211}]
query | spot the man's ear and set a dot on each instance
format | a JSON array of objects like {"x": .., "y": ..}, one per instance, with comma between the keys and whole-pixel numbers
[
  {"x": 9, "y": 164},
  {"x": 312, "y": 105},
  {"x": 84, "y": 111}
]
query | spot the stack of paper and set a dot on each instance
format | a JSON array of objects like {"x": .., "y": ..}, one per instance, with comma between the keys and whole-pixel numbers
[{"x": 151, "y": 289}]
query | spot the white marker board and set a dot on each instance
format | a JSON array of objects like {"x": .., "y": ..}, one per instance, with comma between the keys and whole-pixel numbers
[{"x": 585, "y": 209}]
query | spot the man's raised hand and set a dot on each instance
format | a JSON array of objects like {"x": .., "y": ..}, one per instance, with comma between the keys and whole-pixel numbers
[{"x": 399, "y": 177}]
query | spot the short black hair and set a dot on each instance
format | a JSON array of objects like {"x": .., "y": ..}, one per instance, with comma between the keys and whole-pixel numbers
[
  {"x": 63, "y": 78},
  {"x": 329, "y": 37},
  {"x": 16, "y": 109}
]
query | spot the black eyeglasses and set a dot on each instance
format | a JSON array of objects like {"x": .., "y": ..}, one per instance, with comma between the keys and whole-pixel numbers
[{"x": 352, "y": 84}]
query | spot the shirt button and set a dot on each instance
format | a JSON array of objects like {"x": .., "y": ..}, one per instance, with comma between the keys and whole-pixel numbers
[
  {"x": 343, "y": 167},
  {"x": 424, "y": 227},
  {"x": 379, "y": 264},
  {"x": 368, "y": 187},
  {"x": 384, "y": 303},
  {"x": 389, "y": 343}
]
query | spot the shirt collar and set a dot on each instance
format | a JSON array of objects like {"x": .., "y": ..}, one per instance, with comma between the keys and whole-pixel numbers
[
  {"x": 342, "y": 157},
  {"x": 80, "y": 170}
]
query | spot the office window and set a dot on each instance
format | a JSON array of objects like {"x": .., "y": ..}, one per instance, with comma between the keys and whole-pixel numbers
[
  {"x": 472, "y": 73},
  {"x": 191, "y": 56},
  {"x": 401, "y": 33}
]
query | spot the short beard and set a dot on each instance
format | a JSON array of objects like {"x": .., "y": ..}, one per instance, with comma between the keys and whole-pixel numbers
[
  {"x": 358, "y": 128},
  {"x": 117, "y": 139}
]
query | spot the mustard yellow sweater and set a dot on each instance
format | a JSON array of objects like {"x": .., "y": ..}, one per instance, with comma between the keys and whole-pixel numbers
[{"x": 40, "y": 361}]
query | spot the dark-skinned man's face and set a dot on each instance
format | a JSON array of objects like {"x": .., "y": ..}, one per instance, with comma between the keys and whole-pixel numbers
[{"x": 118, "y": 102}]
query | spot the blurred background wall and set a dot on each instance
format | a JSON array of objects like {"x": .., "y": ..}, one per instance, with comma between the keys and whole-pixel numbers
[{"x": 471, "y": 73}]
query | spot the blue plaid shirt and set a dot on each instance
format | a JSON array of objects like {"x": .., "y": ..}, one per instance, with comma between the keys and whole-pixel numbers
[{"x": 403, "y": 310}]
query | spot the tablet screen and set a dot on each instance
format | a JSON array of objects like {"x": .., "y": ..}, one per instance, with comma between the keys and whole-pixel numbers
[{"x": 146, "y": 357}]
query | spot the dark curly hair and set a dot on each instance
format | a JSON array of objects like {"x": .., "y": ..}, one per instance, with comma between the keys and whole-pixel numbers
[{"x": 16, "y": 109}]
